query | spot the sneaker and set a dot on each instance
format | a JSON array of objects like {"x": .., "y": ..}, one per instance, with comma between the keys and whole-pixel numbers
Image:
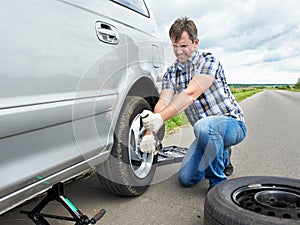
[{"x": 228, "y": 170}]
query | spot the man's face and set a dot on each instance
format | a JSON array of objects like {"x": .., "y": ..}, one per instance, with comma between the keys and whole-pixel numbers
[{"x": 184, "y": 47}]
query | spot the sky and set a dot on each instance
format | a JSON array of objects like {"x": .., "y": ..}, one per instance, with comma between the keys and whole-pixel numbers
[{"x": 257, "y": 41}]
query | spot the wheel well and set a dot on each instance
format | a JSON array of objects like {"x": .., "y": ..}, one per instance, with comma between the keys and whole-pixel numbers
[{"x": 146, "y": 89}]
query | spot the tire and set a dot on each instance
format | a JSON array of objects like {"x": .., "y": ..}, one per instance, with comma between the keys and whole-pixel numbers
[
  {"x": 254, "y": 200},
  {"x": 128, "y": 171}
]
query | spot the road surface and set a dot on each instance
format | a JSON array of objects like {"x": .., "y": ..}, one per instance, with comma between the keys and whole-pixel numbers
[{"x": 271, "y": 148}]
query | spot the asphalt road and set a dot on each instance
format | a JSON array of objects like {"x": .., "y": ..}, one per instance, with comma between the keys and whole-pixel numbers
[{"x": 270, "y": 148}]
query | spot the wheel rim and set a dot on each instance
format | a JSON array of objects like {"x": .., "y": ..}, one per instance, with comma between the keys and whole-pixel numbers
[
  {"x": 270, "y": 200},
  {"x": 141, "y": 163}
]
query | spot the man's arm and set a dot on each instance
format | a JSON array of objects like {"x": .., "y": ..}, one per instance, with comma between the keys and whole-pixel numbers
[
  {"x": 197, "y": 86},
  {"x": 165, "y": 109},
  {"x": 165, "y": 98}
]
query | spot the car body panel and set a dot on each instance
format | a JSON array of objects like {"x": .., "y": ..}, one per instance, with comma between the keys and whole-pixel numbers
[{"x": 62, "y": 87}]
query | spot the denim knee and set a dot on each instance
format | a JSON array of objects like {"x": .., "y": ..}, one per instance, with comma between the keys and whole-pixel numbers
[
  {"x": 201, "y": 127},
  {"x": 187, "y": 180},
  {"x": 184, "y": 181}
]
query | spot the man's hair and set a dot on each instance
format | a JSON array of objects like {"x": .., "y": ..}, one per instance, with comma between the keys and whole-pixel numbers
[{"x": 180, "y": 25}]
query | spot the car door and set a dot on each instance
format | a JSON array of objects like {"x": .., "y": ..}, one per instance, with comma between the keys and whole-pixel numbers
[{"x": 54, "y": 86}]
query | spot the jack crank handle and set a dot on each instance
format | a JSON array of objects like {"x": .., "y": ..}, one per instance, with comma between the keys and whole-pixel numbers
[{"x": 98, "y": 216}]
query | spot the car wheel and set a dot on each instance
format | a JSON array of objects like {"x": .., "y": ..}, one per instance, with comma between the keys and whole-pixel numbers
[
  {"x": 260, "y": 200},
  {"x": 128, "y": 171}
]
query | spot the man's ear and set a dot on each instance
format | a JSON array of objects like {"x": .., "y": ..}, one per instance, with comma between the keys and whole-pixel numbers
[{"x": 196, "y": 42}]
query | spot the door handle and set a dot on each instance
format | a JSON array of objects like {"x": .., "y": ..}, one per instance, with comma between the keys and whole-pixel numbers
[{"x": 107, "y": 33}]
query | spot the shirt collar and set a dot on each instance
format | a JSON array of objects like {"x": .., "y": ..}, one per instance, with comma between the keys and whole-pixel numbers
[{"x": 191, "y": 61}]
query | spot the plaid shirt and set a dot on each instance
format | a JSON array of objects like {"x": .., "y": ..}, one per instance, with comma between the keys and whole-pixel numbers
[{"x": 216, "y": 100}]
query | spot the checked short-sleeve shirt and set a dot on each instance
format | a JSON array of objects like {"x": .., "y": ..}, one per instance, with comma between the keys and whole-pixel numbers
[{"x": 217, "y": 100}]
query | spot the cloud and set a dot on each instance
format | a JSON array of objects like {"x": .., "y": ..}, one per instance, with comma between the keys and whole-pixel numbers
[{"x": 245, "y": 34}]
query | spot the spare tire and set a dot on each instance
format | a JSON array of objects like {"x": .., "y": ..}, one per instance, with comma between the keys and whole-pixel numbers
[{"x": 260, "y": 200}]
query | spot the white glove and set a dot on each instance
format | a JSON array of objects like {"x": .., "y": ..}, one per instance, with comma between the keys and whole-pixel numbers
[
  {"x": 152, "y": 121},
  {"x": 147, "y": 144}
]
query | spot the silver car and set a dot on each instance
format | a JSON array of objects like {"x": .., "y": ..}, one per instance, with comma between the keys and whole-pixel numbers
[{"x": 75, "y": 75}]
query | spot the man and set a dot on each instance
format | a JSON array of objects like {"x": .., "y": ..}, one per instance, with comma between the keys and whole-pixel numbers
[{"x": 196, "y": 84}]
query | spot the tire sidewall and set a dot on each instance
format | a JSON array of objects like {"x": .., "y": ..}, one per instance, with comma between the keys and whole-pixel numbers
[
  {"x": 219, "y": 202},
  {"x": 132, "y": 107}
]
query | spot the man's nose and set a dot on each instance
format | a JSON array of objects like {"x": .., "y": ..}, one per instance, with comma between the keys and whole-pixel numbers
[{"x": 179, "y": 51}]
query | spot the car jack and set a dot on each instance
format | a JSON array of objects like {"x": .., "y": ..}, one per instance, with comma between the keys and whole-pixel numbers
[
  {"x": 171, "y": 154},
  {"x": 57, "y": 193},
  {"x": 166, "y": 155}
]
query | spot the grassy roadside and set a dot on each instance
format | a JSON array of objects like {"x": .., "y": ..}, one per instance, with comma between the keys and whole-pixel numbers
[
  {"x": 240, "y": 93},
  {"x": 243, "y": 93}
]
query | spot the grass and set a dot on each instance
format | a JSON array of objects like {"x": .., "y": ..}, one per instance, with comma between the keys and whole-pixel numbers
[
  {"x": 243, "y": 93},
  {"x": 176, "y": 122}
]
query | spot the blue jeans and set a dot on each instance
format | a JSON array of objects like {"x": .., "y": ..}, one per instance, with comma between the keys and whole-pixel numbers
[{"x": 208, "y": 156}]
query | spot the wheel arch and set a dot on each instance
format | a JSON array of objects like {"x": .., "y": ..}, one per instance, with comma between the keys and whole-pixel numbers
[{"x": 145, "y": 88}]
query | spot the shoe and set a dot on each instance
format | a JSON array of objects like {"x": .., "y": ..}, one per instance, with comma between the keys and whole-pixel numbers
[{"x": 228, "y": 170}]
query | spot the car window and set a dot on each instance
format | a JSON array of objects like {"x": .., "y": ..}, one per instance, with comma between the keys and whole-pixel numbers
[{"x": 136, "y": 5}]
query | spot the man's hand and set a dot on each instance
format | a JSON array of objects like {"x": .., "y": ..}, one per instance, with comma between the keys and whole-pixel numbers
[
  {"x": 147, "y": 144},
  {"x": 152, "y": 121}
]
